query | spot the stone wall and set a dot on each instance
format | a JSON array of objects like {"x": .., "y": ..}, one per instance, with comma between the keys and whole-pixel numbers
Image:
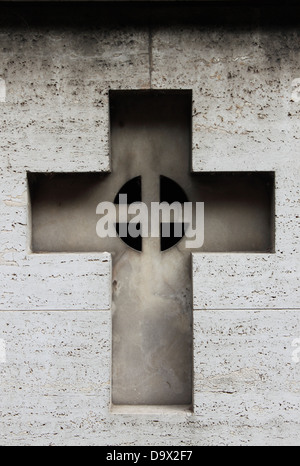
[{"x": 55, "y": 383}]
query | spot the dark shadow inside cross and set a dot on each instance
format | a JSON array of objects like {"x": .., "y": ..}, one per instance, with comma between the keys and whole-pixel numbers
[{"x": 152, "y": 318}]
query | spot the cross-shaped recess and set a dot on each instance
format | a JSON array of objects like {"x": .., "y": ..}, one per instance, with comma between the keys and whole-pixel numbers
[{"x": 152, "y": 319}]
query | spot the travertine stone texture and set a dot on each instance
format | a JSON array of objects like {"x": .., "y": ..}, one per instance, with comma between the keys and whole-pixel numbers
[
  {"x": 57, "y": 281},
  {"x": 56, "y": 118},
  {"x": 244, "y": 119},
  {"x": 55, "y": 385}
]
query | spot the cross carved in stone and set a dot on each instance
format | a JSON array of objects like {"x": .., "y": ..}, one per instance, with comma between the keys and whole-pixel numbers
[{"x": 152, "y": 315}]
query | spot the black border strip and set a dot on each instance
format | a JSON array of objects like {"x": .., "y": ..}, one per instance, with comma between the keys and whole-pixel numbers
[{"x": 237, "y": 13}]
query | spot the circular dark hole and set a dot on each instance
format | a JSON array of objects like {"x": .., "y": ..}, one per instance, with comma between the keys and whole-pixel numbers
[{"x": 170, "y": 191}]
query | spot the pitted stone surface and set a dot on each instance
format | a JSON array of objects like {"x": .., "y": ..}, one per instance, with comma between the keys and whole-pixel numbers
[{"x": 55, "y": 385}]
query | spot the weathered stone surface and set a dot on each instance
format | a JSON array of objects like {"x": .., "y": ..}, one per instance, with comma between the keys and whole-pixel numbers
[
  {"x": 55, "y": 385},
  {"x": 244, "y": 119},
  {"x": 56, "y": 119}
]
